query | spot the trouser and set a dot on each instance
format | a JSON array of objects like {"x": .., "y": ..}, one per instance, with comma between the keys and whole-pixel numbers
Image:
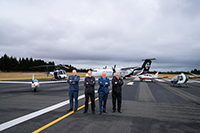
[
  {"x": 118, "y": 97},
  {"x": 102, "y": 98},
  {"x": 73, "y": 94},
  {"x": 91, "y": 95}
]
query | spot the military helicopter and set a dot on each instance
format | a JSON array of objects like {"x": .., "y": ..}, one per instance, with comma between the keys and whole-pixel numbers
[
  {"x": 58, "y": 73},
  {"x": 181, "y": 79}
]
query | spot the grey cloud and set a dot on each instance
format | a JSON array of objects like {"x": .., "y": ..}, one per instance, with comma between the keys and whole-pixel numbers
[{"x": 96, "y": 33}]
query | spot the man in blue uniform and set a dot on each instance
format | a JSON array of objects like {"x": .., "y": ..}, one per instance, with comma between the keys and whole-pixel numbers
[
  {"x": 89, "y": 92},
  {"x": 103, "y": 91},
  {"x": 73, "y": 90}
]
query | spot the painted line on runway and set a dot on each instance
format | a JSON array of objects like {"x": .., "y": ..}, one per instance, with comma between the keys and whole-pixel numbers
[
  {"x": 19, "y": 120},
  {"x": 145, "y": 94},
  {"x": 61, "y": 118}
]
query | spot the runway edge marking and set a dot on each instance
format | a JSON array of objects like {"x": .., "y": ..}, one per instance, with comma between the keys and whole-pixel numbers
[
  {"x": 60, "y": 118},
  {"x": 19, "y": 120}
]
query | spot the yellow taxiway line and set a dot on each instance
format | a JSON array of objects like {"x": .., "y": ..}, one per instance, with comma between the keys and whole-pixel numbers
[{"x": 60, "y": 118}]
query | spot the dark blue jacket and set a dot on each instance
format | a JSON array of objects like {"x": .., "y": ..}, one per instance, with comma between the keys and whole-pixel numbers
[
  {"x": 73, "y": 85},
  {"x": 103, "y": 85}
]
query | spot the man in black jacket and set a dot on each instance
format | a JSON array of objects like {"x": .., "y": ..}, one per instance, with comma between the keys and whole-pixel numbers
[
  {"x": 89, "y": 92},
  {"x": 117, "y": 83}
]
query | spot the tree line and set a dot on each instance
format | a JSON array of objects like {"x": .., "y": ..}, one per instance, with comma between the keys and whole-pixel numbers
[
  {"x": 12, "y": 64},
  {"x": 195, "y": 71}
]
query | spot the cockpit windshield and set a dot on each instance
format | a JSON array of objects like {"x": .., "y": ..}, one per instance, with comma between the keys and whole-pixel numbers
[
  {"x": 35, "y": 80},
  {"x": 60, "y": 72},
  {"x": 175, "y": 78}
]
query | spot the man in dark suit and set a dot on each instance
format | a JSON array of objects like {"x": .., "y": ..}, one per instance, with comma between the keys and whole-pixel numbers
[
  {"x": 89, "y": 92},
  {"x": 117, "y": 83}
]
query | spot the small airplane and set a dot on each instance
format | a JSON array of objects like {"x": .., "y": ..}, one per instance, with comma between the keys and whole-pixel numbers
[
  {"x": 150, "y": 77},
  {"x": 58, "y": 73},
  {"x": 125, "y": 72},
  {"x": 181, "y": 79},
  {"x": 35, "y": 84}
]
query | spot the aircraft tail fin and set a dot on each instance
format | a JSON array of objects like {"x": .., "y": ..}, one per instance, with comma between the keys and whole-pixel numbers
[
  {"x": 33, "y": 77},
  {"x": 147, "y": 64},
  {"x": 156, "y": 75}
]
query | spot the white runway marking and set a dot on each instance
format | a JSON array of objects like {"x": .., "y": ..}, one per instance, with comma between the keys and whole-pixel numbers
[
  {"x": 130, "y": 83},
  {"x": 163, "y": 80},
  {"x": 19, "y": 120}
]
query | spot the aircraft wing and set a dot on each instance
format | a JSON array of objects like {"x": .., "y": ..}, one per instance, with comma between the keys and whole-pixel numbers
[
  {"x": 49, "y": 82},
  {"x": 23, "y": 82},
  {"x": 15, "y": 82},
  {"x": 128, "y": 68},
  {"x": 161, "y": 77}
]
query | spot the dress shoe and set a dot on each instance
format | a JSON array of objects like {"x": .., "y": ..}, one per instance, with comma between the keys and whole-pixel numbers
[
  {"x": 119, "y": 111},
  {"x": 69, "y": 110},
  {"x": 113, "y": 111},
  {"x": 75, "y": 110},
  {"x": 105, "y": 111},
  {"x": 100, "y": 112},
  {"x": 84, "y": 112}
]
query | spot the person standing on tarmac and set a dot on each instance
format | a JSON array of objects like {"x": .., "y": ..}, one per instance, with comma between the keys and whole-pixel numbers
[
  {"x": 103, "y": 91},
  {"x": 73, "y": 90},
  {"x": 89, "y": 92},
  {"x": 117, "y": 83}
]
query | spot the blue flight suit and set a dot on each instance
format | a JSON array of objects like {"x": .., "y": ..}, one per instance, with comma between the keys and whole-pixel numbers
[
  {"x": 103, "y": 92},
  {"x": 73, "y": 90}
]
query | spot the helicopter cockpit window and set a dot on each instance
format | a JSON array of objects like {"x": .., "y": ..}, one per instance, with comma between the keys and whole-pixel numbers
[
  {"x": 60, "y": 72},
  {"x": 180, "y": 77},
  {"x": 175, "y": 78},
  {"x": 64, "y": 72}
]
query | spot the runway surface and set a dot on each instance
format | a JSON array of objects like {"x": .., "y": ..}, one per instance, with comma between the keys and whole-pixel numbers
[{"x": 146, "y": 107}]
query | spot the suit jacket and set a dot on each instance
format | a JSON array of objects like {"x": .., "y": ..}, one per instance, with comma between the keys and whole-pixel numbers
[
  {"x": 117, "y": 88},
  {"x": 89, "y": 88}
]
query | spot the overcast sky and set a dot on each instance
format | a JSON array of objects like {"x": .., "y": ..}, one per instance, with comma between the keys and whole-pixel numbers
[{"x": 95, "y": 33}]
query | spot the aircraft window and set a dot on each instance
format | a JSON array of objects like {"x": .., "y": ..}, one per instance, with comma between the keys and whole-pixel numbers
[
  {"x": 60, "y": 72},
  {"x": 95, "y": 71},
  {"x": 35, "y": 80},
  {"x": 64, "y": 72},
  {"x": 181, "y": 77},
  {"x": 175, "y": 78}
]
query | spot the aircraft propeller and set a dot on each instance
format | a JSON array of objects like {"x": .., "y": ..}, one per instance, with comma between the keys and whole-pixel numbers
[{"x": 114, "y": 71}]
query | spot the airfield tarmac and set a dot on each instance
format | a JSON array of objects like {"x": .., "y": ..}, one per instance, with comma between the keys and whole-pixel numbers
[{"x": 146, "y": 107}]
